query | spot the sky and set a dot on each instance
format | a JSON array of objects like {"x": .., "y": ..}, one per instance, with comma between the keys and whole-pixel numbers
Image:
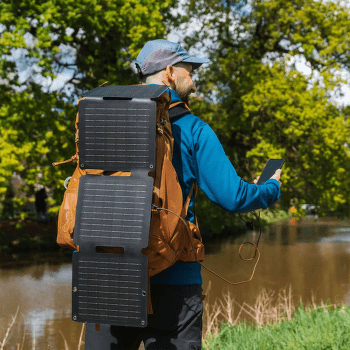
[{"x": 301, "y": 66}]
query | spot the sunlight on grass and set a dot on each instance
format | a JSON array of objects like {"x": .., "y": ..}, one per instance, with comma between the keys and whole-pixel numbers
[
  {"x": 277, "y": 323},
  {"x": 267, "y": 308}
]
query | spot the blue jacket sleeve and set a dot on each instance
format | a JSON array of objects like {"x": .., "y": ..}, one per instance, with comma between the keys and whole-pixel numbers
[{"x": 218, "y": 179}]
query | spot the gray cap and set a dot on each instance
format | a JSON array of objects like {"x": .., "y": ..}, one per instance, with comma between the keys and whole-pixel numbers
[{"x": 157, "y": 54}]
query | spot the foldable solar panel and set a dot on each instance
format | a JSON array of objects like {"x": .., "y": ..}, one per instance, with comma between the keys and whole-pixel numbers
[{"x": 117, "y": 131}]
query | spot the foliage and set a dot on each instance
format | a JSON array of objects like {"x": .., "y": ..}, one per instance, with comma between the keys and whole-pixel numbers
[
  {"x": 215, "y": 221},
  {"x": 316, "y": 328},
  {"x": 263, "y": 107},
  {"x": 301, "y": 126},
  {"x": 259, "y": 105},
  {"x": 88, "y": 42}
]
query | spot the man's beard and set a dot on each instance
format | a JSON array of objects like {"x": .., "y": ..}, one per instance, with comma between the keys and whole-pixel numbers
[{"x": 184, "y": 94}]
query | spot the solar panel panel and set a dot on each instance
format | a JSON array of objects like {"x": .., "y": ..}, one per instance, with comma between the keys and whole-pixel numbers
[
  {"x": 110, "y": 290},
  {"x": 117, "y": 134},
  {"x": 114, "y": 210}
]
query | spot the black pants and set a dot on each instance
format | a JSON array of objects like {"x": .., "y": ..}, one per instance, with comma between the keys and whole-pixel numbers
[{"x": 176, "y": 324}]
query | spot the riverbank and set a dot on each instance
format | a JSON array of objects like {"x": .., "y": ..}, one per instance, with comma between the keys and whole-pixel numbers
[
  {"x": 22, "y": 236},
  {"x": 277, "y": 324},
  {"x": 30, "y": 236},
  {"x": 27, "y": 236}
]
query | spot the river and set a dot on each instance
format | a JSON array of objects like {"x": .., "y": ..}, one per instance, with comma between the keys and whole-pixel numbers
[{"x": 313, "y": 259}]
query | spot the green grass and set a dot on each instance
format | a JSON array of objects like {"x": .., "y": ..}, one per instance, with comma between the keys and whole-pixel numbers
[
  {"x": 321, "y": 328},
  {"x": 276, "y": 323}
]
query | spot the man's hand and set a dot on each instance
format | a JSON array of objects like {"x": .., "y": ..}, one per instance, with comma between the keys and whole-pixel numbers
[{"x": 275, "y": 176}]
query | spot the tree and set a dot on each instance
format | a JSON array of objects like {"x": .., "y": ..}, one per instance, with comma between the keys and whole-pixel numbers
[
  {"x": 296, "y": 122},
  {"x": 258, "y": 103},
  {"x": 90, "y": 42}
]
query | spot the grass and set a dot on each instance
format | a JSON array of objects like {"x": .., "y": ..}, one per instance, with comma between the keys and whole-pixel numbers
[
  {"x": 8, "y": 332},
  {"x": 276, "y": 323},
  {"x": 309, "y": 329}
]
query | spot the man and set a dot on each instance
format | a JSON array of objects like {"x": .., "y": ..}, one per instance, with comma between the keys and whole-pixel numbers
[
  {"x": 40, "y": 205},
  {"x": 176, "y": 322}
]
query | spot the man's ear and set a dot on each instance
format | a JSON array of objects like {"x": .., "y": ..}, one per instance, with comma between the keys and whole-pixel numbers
[{"x": 170, "y": 74}]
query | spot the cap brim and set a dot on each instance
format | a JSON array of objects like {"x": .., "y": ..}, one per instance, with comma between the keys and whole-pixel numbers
[
  {"x": 192, "y": 59},
  {"x": 196, "y": 61}
]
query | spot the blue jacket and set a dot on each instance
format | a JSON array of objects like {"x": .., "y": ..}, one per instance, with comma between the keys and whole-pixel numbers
[{"x": 199, "y": 156}]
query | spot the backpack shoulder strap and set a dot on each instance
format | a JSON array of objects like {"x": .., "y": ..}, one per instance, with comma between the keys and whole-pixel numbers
[{"x": 178, "y": 109}]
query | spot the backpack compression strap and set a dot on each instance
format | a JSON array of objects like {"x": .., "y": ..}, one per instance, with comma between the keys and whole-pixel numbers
[{"x": 178, "y": 109}]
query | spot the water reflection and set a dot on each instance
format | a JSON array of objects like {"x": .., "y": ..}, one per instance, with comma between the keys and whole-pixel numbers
[
  {"x": 342, "y": 235},
  {"x": 286, "y": 234},
  {"x": 42, "y": 293},
  {"x": 314, "y": 258}
]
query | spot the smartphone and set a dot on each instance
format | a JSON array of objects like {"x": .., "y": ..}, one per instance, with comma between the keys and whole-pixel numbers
[{"x": 270, "y": 168}]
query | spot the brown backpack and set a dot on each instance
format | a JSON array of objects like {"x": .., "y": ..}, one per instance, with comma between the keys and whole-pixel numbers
[{"x": 171, "y": 238}]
